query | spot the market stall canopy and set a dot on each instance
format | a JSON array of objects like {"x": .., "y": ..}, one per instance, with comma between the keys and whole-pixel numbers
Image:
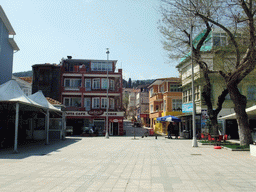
[
  {"x": 40, "y": 99},
  {"x": 251, "y": 112},
  {"x": 11, "y": 92},
  {"x": 173, "y": 119},
  {"x": 168, "y": 118}
]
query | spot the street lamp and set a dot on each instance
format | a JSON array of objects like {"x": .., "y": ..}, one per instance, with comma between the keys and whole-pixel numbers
[
  {"x": 194, "y": 141},
  {"x": 107, "y": 135}
]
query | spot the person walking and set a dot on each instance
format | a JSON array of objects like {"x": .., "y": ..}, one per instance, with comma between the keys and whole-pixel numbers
[{"x": 170, "y": 129}]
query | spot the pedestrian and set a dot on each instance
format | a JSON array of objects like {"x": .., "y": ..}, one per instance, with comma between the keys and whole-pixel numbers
[{"x": 170, "y": 129}]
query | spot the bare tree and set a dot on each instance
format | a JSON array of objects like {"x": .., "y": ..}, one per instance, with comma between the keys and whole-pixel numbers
[{"x": 231, "y": 17}]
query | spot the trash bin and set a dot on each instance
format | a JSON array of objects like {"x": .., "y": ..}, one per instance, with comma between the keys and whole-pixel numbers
[{"x": 186, "y": 134}]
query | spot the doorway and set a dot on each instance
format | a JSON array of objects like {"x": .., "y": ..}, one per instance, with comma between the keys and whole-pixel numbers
[{"x": 100, "y": 125}]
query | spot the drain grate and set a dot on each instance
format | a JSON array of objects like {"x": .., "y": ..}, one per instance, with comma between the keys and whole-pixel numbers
[{"x": 196, "y": 154}]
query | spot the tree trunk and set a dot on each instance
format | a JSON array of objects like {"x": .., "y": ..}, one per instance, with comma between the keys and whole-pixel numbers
[
  {"x": 240, "y": 101},
  {"x": 214, "y": 125}
]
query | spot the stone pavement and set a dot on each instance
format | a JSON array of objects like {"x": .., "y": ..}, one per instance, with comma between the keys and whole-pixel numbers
[{"x": 124, "y": 164}]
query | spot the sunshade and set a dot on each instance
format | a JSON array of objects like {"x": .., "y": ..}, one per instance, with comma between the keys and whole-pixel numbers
[
  {"x": 173, "y": 119},
  {"x": 168, "y": 118}
]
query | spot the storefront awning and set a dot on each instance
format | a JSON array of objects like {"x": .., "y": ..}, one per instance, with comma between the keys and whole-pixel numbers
[
  {"x": 251, "y": 112},
  {"x": 169, "y": 118}
]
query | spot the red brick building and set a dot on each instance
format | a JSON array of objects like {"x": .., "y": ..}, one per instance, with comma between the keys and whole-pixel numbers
[{"x": 83, "y": 90}]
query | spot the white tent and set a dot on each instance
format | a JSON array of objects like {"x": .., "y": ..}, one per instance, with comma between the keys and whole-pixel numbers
[
  {"x": 251, "y": 112},
  {"x": 40, "y": 98},
  {"x": 11, "y": 92}
]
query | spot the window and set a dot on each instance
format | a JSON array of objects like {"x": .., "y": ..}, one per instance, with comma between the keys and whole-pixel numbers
[
  {"x": 72, "y": 101},
  {"x": 112, "y": 103},
  {"x": 162, "y": 89},
  {"x": 72, "y": 83},
  {"x": 219, "y": 39},
  {"x": 104, "y": 103},
  {"x": 175, "y": 88},
  {"x": 197, "y": 93},
  {"x": 164, "y": 105},
  {"x": 87, "y": 104},
  {"x": 101, "y": 66},
  {"x": 251, "y": 92},
  {"x": 190, "y": 95},
  {"x": 96, "y": 83},
  {"x": 88, "y": 84},
  {"x": 95, "y": 102},
  {"x": 185, "y": 97},
  {"x": 104, "y": 83},
  {"x": 176, "y": 104},
  {"x": 112, "y": 85},
  {"x": 151, "y": 92},
  {"x": 151, "y": 109}
]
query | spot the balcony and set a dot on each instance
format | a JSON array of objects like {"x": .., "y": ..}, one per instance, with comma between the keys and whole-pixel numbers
[{"x": 157, "y": 97}]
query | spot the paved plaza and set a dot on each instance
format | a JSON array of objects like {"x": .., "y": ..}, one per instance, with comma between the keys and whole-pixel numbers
[{"x": 124, "y": 164}]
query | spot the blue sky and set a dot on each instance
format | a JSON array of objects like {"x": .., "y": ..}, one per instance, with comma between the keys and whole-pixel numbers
[{"x": 48, "y": 30}]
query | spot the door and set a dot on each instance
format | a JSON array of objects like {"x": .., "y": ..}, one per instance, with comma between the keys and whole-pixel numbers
[
  {"x": 100, "y": 125},
  {"x": 110, "y": 128},
  {"x": 115, "y": 128}
]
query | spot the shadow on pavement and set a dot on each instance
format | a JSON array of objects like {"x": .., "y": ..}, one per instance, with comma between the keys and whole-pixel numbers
[{"x": 36, "y": 148}]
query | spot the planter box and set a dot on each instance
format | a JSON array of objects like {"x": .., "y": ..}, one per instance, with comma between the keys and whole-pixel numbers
[{"x": 253, "y": 150}]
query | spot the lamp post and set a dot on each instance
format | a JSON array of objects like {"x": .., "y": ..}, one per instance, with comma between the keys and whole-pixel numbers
[
  {"x": 107, "y": 134},
  {"x": 194, "y": 141}
]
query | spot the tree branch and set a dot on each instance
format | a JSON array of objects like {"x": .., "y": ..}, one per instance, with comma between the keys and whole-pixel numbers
[{"x": 228, "y": 32}]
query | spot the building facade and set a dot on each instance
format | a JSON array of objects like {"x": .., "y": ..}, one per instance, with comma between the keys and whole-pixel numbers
[
  {"x": 7, "y": 47},
  {"x": 142, "y": 105},
  {"x": 25, "y": 84},
  {"x": 86, "y": 86},
  {"x": 46, "y": 77},
  {"x": 165, "y": 98},
  {"x": 214, "y": 61}
]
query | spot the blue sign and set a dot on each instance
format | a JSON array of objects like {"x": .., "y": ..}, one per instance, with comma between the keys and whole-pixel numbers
[{"x": 187, "y": 108}]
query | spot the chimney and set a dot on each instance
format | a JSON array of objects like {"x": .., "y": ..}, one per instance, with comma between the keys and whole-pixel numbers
[{"x": 69, "y": 57}]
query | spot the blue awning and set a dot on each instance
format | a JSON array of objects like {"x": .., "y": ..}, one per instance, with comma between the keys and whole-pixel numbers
[
  {"x": 169, "y": 118},
  {"x": 158, "y": 118}
]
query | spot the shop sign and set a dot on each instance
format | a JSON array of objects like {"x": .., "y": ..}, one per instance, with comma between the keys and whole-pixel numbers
[
  {"x": 114, "y": 114},
  {"x": 116, "y": 120},
  {"x": 187, "y": 108},
  {"x": 74, "y": 113},
  {"x": 143, "y": 115},
  {"x": 95, "y": 112}
]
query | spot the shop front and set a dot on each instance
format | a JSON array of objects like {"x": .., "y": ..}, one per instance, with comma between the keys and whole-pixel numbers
[{"x": 95, "y": 119}]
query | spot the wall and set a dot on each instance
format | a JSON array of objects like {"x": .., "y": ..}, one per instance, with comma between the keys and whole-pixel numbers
[{"x": 6, "y": 55}]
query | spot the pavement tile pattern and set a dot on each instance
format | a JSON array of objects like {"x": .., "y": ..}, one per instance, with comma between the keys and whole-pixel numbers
[{"x": 125, "y": 164}]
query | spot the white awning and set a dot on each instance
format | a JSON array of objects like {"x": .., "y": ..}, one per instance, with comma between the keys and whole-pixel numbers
[{"x": 251, "y": 112}]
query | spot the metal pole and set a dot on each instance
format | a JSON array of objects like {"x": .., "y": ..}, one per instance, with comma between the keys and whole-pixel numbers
[
  {"x": 16, "y": 128},
  {"x": 194, "y": 141},
  {"x": 107, "y": 134}
]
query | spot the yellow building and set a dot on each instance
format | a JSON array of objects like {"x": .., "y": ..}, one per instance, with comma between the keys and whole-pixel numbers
[{"x": 165, "y": 98}]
